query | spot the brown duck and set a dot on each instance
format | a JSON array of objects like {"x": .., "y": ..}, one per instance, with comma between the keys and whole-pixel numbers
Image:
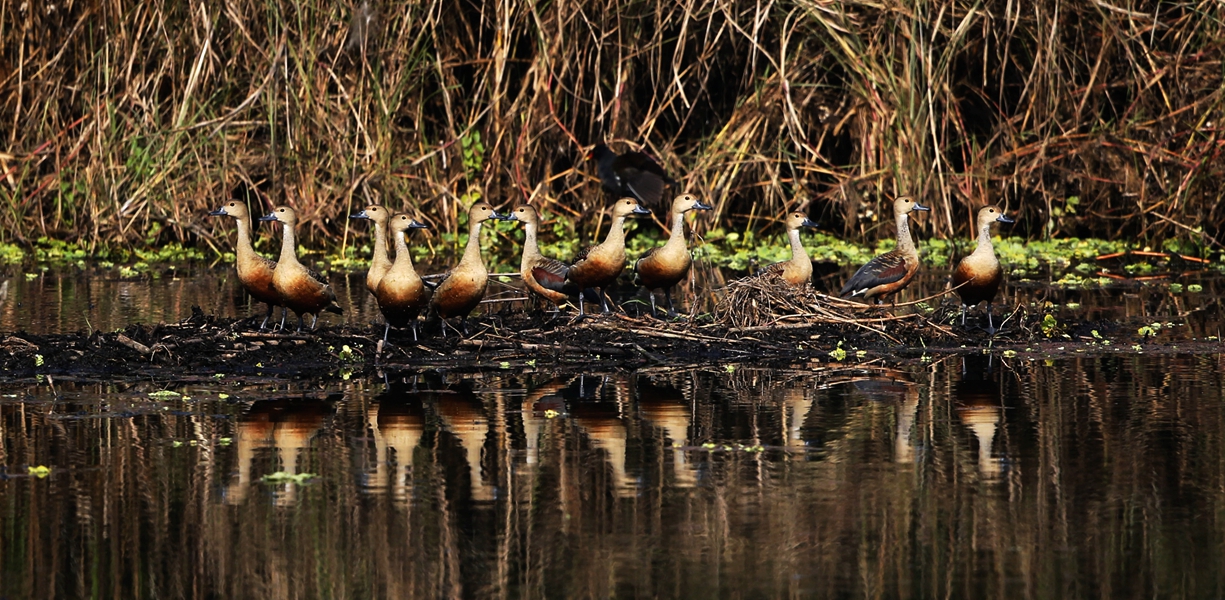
[
  {"x": 665, "y": 266},
  {"x": 380, "y": 261},
  {"x": 978, "y": 275},
  {"x": 401, "y": 292},
  {"x": 599, "y": 266},
  {"x": 462, "y": 288},
  {"x": 302, "y": 290},
  {"x": 890, "y": 272},
  {"x": 542, "y": 276},
  {"x": 797, "y": 271},
  {"x": 254, "y": 271}
]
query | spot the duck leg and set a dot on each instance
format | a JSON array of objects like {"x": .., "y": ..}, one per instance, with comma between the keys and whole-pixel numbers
[
  {"x": 267, "y": 315},
  {"x": 990, "y": 325},
  {"x": 651, "y": 294},
  {"x": 386, "y": 330},
  {"x": 671, "y": 309},
  {"x": 301, "y": 323},
  {"x": 963, "y": 315},
  {"x": 284, "y": 315},
  {"x": 604, "y": 301},
  {"x": 314, "y": 321},
  {"x": 414, "y": 329}
]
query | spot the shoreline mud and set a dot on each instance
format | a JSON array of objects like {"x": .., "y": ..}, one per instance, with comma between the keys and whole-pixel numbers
[{"x": 205, "y": 345}]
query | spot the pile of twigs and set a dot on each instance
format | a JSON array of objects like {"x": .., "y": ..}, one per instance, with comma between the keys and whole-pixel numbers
[{"x": 766, "y": 302}]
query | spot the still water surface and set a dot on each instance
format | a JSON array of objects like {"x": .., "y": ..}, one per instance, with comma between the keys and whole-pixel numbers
[{"x": 966, "y": 477}]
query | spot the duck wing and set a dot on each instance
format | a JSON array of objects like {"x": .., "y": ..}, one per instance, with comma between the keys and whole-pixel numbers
[
  {"x": 582, "y": 255},
  {"x": 886, "y": 268},
  {"x": 772, "y": 268},
  {"x": 551, "y": 273},
  {"x": 316, "y": 275},
  {"x": 645, "y": 255},
  {"x": 643, "y": 177}
]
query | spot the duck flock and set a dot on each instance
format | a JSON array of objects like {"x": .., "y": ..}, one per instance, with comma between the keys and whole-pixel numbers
[{"x": 403, "y": 295}]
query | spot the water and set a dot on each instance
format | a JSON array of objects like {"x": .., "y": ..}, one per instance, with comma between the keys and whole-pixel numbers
[
  {"x": 969, "y": 476},
  {"x": 965, "y": 475}
]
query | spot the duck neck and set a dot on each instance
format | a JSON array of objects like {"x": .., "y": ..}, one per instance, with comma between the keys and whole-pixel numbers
[
  {"x": 472, "y": 253},
  {"x": 402, "y": 255},
  {"x": 530, "y": 249},
  {"x": 798, "y": 253},
  {"x": 677, "y": 238},
  {"x": 289, "y": 253},
  {"x": 984, "y": 239},
  {"x": 244, "y": 237},
  {"x": 616, "y": 234},
  {"x": 905, "y": 243},
  {"x": 380, "y": 242}
]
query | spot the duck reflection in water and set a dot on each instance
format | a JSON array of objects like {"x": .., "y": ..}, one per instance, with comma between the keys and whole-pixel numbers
[
  {"x": 979, "y": 408},
  {"x": 598, "y": 405},
  {"x": 893, "y": 387},
  {"x": 666, "y": 407},
  {"x": 397, "y": 421},
  {"x": 463, "y": 416},
  {"x": 542, "y": 403},
  {"x": 287, "y": 426}
]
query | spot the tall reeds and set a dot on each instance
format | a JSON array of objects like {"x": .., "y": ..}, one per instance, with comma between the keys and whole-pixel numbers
[{"x": 1086, "y": 118}]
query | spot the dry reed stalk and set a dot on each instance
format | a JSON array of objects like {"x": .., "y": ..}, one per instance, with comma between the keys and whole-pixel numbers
[{"x": 762, "y": 107}]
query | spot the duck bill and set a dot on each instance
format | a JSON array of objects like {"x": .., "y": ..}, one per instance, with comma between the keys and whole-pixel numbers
[
  {"x": 268, "y": 217},
  {"x": 510, "y": 217},
  {"x": 918, "y": 206},
  {"x": 639, "y": 210},
  {"x": 501, "y": 217},
  {"x": 1005, "y": 219},
  {"x": 415, "y": 224},
  {"x": 220, "y": 212},
  {"x": 361, "y": 215},
  {"x": 809, "y": 223},
  {"x": 701, "y": 206}
]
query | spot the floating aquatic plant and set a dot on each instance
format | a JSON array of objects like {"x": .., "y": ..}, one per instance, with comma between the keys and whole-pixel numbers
[{"x": 282, "y": 477}]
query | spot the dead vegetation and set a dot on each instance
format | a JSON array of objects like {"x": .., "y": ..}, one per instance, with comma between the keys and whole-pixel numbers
[
  {"x": 124, "y": 122},
  {"x": 765, "y": 302}
]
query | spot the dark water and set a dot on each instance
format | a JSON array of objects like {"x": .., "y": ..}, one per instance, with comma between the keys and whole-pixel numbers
[
  {"x": 965, "y": 477},
  {"x": 962, "y": 476}
]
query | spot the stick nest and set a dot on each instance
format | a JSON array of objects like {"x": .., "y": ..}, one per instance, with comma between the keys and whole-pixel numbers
[{"x": 765, "y": 300}]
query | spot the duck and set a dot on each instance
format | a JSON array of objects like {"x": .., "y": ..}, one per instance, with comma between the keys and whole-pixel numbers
[
  {"x": 978, "y": 276},
  {"x": 796, "y": 271},
  {"x": 665, "y": 266},
  {"x": 599, "y": 266},
  {"x": 302, "y": 290},
  {"x": 461, "y": 289},
  {"x": 380, "y": 261},
  {"x": 254, "y": 271},
  {"x": 543, "y": 277},
  {"x": 401, "y": 293},
  {"x": 632, "y": 174},
  {"x": 890, "y": 272}
]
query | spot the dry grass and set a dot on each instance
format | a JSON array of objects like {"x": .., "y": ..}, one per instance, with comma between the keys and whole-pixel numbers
[{"x": 117, "y": 116}]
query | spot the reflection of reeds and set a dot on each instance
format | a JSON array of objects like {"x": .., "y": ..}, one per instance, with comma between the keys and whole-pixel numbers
[
  {"x": 146, "y": 115},
  {"x": 871, "y": 483}
]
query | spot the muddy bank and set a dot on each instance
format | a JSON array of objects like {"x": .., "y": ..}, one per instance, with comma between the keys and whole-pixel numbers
[{"x": 207, "y": 345}]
